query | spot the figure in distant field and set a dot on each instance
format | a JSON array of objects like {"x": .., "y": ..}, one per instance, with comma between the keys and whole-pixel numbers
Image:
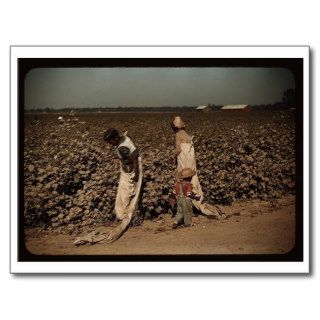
[
  {"x": 185, "y": 158},
  {"x": 129, "y": 185},
  {"x": 61, "y": 120}
]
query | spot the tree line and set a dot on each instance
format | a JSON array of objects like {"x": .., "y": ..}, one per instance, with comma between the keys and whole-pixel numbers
[{"x": 288, "y": 101}]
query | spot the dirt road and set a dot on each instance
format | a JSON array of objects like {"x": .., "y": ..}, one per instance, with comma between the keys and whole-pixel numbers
[{"x": 254, "y": 227}]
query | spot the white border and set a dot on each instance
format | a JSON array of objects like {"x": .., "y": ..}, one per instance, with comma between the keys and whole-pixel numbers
[{"x": 157, "y": 52}]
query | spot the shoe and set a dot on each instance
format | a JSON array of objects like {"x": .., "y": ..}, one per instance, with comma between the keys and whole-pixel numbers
[{"x": 175, "y": 225}]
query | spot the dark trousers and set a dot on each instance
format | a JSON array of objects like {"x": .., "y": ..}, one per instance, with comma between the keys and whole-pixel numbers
[{"x": 184, "y": 210}]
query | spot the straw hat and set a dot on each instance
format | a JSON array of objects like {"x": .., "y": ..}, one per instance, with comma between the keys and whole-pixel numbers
[
  {"x": 178, "y": 122},
  {"x": 186, "y": 173}
]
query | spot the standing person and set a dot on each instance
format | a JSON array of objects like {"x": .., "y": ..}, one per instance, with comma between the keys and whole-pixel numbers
[
  {"x": 185, "y": 158},
  {"x": 184, "y": 195},
  {"x": 129, "y": 185},
  {"x": 130, "y": 179}
]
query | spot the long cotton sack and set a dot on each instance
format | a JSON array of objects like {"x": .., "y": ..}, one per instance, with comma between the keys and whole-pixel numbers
[{"x": 128, "y": 193}]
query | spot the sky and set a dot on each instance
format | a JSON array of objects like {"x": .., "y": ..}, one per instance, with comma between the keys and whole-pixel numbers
[{"x": 112, "y": 87}]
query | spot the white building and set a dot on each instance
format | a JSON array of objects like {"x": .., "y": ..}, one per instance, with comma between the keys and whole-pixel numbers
[
  {"x": 236, "y": 107},
  {"x": 205, "y": 108}
]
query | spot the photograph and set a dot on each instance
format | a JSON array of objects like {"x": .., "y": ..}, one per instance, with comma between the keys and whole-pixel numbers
[{"x": 160, "y": 159}]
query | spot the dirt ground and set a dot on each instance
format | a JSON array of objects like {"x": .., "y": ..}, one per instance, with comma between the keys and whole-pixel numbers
[{"x": 252, "y": 227}]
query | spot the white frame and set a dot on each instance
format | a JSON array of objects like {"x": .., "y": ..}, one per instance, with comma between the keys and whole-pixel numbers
[{"x": 157, "y": 52}]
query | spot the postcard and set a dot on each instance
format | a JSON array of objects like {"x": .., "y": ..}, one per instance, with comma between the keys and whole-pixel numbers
[{"x": 159, "y": 159}]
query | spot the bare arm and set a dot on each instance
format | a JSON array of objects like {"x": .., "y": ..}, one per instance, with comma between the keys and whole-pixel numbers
[
  {"x": 177, "y": 150},
  {"x": 135, "y": 163}
]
